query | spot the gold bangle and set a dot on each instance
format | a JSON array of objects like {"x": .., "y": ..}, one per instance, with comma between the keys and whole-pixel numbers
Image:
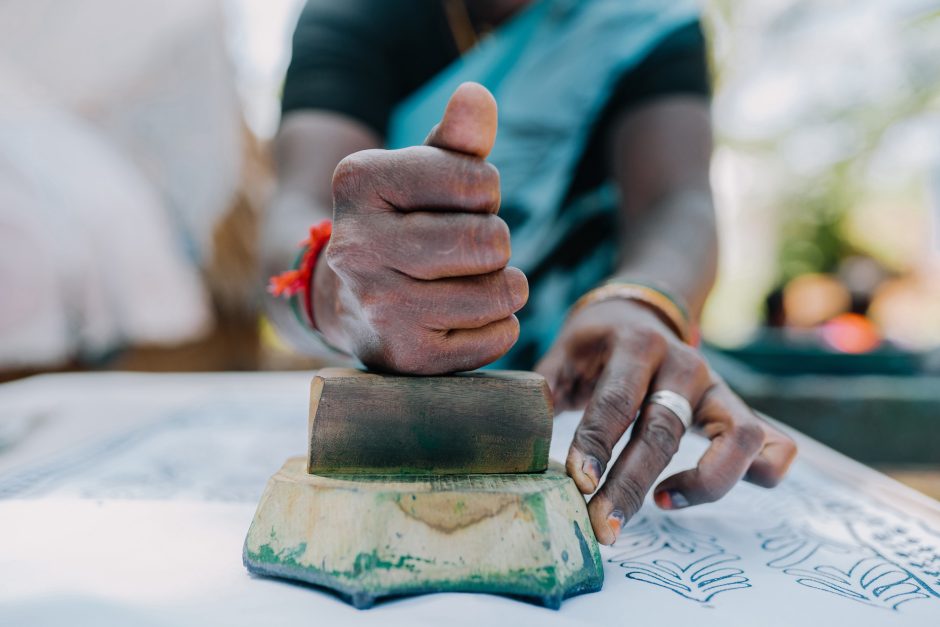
[{"x": 662, "y": 304}]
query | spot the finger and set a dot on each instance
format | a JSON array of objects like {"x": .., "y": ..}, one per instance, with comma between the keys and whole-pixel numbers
[
  {"x": 469, "y": 122},
  {"x": 774, "y": 460},
  {"x": 683, "y": 372},
  {"x": 617, "y": 396},
  {"x": 468, "y": 349},
  {"x": 467, "y": 302},
  {"x": 572, "y": 376},
  {"x": 736, "y": 439},
  {"x": 551, "y": 366},
  {"x": 430, "y": 246},
  {"x": 419, "y": 178},
  {"x": 654, "y": 441}
]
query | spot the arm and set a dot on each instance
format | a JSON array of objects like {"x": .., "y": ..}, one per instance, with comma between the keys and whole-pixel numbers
[
  {"x": 612, "y": 354},
  {"x": 661, "y": 155},
  {"x": 415, "y": 276}
]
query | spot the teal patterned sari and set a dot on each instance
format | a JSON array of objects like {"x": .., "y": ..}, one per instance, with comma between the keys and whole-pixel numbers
[{"x": 552, "y": 69}]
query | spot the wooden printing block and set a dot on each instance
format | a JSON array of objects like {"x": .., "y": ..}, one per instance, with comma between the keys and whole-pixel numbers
[
  {"x": 427, "y": 484},
  {"x": 373, "y": 536},
  {"x": 476, "y": 422}
]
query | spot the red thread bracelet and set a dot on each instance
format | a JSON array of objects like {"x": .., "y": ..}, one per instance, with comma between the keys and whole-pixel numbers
[{"x": 298, "y": 280}]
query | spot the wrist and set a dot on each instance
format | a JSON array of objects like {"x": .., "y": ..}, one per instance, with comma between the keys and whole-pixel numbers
[
  {"x": 300, "y": 283},
  {"x": 667, "y": 308},
  {"x": 324, "y": 290}
]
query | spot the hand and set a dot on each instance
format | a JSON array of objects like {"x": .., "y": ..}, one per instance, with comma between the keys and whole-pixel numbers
[
  {"x": 416, "y": 277},
  {"x": 610, "y": 356}
]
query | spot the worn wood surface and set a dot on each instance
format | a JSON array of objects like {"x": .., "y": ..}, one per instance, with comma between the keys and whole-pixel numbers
[
  {"x": 371, "y": 536},
  {"x": 476, "y": 422}
]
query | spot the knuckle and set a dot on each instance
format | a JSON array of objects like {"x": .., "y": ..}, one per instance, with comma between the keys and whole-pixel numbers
[
  {"x": 349, "y": 173},
  {"x": 337, "y": 256},
  {"x": 696, "y": 367},
  {"x": 647, "y": 342},
  {"x": 591, "y": 440},
  {"x": 487, "y": 182},
  {"x": 628, "y": 493},
  {"x": 403, "y": 357},
  {"x": 478, "y": 183},
  {"x": 661, "y": 436},
  {"x": 687, "y": 364},
  {"x": 749, "y": 437},
  {"x": 352, "y": 260},
  {"x": 494, "y": 240},
  {"x": 338, "y": 249},
  {"x": 613, "y": 404},
  {"x": 484, "y": 243}
]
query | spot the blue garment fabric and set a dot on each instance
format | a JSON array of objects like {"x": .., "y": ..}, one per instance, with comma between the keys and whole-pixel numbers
[{"x": 551, "y": 70}]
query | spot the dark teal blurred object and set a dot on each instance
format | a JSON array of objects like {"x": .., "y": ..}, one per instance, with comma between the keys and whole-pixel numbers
[
  {"x": 774, "y": 354},
  {"x": 880, "y": 408}
]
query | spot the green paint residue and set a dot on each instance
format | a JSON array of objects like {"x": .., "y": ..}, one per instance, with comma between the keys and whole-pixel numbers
[
  {"x": 535, "y": 503},
  {"x": 294, "y": 553},
  {"x": 541, "y": 582},
  {"x": 539, "y": 455},
  {"x": 366, "y": 562},
  {"x": 535, "y": 581}
]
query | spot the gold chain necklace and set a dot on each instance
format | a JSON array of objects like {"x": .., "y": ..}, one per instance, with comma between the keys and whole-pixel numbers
[{"x": 461, "y": 26}]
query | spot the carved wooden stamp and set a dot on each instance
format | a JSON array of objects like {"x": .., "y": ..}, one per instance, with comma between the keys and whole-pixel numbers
[{"x": 427, "y": 484}]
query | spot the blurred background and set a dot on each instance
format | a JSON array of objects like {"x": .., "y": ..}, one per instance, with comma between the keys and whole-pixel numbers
[{"x": 134, "y": 165}]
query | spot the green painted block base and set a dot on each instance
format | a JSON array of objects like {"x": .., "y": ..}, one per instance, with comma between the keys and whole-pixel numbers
[{"x": 368, "y": 537}]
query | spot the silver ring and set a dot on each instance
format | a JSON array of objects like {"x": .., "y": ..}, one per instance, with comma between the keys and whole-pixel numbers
[{"x": 674, "y": 402}]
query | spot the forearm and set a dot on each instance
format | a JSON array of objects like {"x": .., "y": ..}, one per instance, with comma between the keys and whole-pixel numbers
[
  {"x": 667, "y": 232},
  {"x": 673, "y": 244},
  {"x": 308, "y": 148},
  {"x": 286, "y": 223}
]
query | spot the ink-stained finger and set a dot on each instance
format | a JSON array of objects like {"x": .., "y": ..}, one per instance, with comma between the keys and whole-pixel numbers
[
  {"x": 655, "y": 439},
  {"x": 733, "y": 447},
  {"x": 619, "y": 392}
]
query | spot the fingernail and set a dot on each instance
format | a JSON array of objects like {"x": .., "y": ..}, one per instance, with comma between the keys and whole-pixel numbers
[
  {"x": 677, "y": 500},
  {"x": 592, "y": 469},
  {"x": 662, "y": 499},
  {"x": 616, "y": 520}
]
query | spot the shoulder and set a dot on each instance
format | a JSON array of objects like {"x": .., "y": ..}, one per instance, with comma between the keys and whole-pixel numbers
[
  {"x": 678, "y": 63},
  {"x": 371, "y": 23},
  {"x": 361, "y": 57}
]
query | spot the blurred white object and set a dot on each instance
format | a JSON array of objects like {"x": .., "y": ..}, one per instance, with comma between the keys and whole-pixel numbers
[{"x": 120, "y": 147}]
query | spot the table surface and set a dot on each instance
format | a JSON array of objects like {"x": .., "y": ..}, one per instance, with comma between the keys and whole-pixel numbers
[{"x": 125, "y": 498}]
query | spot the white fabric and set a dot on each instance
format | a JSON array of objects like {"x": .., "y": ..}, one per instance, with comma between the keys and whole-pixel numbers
[
  {"x": 125, "y": 500},
  {"x": 119, "y": 150}
]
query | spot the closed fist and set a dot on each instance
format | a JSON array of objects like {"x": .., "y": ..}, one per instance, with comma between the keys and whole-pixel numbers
[{"x": 419, "y": 256}]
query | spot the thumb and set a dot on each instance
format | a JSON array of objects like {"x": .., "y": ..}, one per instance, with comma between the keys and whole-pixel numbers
[{"x": 469, "y": 122}]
